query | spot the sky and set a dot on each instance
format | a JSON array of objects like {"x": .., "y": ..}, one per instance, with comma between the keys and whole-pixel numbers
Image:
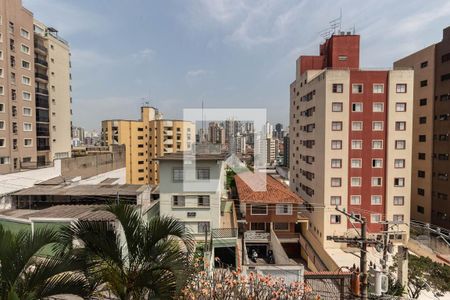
[{"x": 228, "y": 54}]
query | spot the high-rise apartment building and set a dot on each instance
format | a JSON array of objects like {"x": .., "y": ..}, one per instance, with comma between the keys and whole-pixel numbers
[
  {"x": 216, "y": 133},
  {"x": 146, "y": 140},
  {"x": 350, "y": 140},
  {"x": 26, "y": 118},
  {"x": 431, "y": 126}
]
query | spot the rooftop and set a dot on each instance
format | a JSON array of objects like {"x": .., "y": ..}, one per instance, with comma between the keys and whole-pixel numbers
[
  {"x": 267, "y": 191},
  {"x": 79, "y": 212},
  {"x": 82, "y": 190},
  {"x": 191, "y": 156}
]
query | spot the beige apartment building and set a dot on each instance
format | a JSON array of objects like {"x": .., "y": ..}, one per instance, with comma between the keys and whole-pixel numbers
[
  {"x": 25, "y": 115},
  {"x": 431, "y": 142},
  {"x": 350, "y": 141},
  {"x": 147, "y": 139}
]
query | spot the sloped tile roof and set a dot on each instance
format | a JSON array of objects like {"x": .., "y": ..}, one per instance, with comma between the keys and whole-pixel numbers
[{"x": 252, "y": 188}]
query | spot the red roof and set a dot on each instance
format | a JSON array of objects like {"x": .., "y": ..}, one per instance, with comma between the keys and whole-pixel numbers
[{"x": 252, "y": 188}]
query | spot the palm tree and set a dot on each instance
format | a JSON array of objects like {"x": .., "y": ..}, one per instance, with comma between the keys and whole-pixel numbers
[
  {"x": 133, "y": 258},
  {"x": 24, "y": 274}
]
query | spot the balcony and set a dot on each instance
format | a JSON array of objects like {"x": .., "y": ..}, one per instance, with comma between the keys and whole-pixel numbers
[
  {"x": 42, "y": 130},
  {"x": 42, "y": 115},
  {"x": 43, "y": 144},
  {"x": 42, "y": 76},
  {"x": 257, "y": 236},
  {"x": 42, "y": 101},
  {"x": 42, "y": 91},
  {"x": 40, "y": 47},
  {"x": 40, "y": 61}
]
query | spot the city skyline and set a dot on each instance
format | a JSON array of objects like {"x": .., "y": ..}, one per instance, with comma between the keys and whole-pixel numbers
[{"x": 235, "y": 54}]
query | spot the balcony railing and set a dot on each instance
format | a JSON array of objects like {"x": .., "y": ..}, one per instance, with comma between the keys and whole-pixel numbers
[
  {"x": 42, "y": 115},
  {"x": 40, "y": 47},
  {"x": 256, "y": 235},
  {"x": 43, "y": 147},
  {"x": 41, "y": 62},
  {"x": 222, "y": 233},
  {"x": 42, "y": 91},
  {"x": 41, "y": 76},
  {"x": 42, "y": 101}
]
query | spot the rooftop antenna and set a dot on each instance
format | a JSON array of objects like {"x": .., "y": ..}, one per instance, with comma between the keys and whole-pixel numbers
[{"x": 335, "y": 26}]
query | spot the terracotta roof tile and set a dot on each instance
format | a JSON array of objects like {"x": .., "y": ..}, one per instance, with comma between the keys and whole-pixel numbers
[{"x": 252, "y": 188}]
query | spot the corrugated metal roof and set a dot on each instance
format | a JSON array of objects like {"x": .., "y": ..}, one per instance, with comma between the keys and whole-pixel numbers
[{"x": 81, "y": 190}]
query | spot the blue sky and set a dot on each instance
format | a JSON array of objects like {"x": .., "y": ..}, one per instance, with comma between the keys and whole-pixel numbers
[{"x": 230, "y": 54}]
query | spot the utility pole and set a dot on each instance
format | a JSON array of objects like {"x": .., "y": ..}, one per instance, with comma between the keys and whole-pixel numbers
[{"x": 362, "y": 242}]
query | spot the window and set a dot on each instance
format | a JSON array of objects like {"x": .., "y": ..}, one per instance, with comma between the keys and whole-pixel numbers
[
  {"x": 357, "y": 125},
  {"x": 400, "y": 126},
  {"x": 203, "y": 200},
  {"x": 356, "y": 144},
  {"x": 399, "y": 163},
  {"x": 421, "y": 192},
  {"x": 27, "y": 127},
  {"x": 336, "y": 144},
  {"x": 420, "y": 173},
  {"x": 2, "y": 125},
  {"x": 399, "y": 200},
  {"x": 11, "y": 27},
  {"x": 259, "y": 209},
  {"x": 424, "y": 64},
  {"x": 2, "y": 107},
  {"x": 26, "y": 96},
  {"x": 1, "y": 55},
  {"x": 336, "y": 181},
  {"x": 4, "y": 160},
  {"x": 26, "y": 65},
  {"x": 445, "y": 57},
  {"x": 27, "y": 111},
  {"x": 284, "y": 209},
  {"x": 1, "y": 73},
  {"x": 335, "y": 200},
  {"x": 445, "y": 77},
  {"x": 203, "y": 173},
  {"x": 342, "y": 57},
  {"x": 377, "y": 144},
  {"x": 336, "y": 163},
  {"x": 400, "y": 106},
  {"x": 375, "y": 200},
  {"x": 177, "y": 174},
  {"x": 377, "y": 181},
  {"x": 398, "y": 218},
  {"x": 336, "y": 107},
  {"x": 399, "y": 182},
  {"x": 336, "y": 126},
  {"x": 281, "y": 226},
  {"x": 377, "y": 163},
  {"x": 26, "y": 80},
  {"x": 422, "y": 120},
  {"x": 423, "y": 83},
  {"x": 2, "y": 90},
  {"x": 422, "y": 138},
  {"x": 378, "y": 88},
  {"x": 357, "y": 88},
  {"x": 421, "y": 156},
  {"x": 378, "y": 107},
  {"x": 25, "y": 49},
  {"x": 338, "y": 88},
  {"x": 377, "y": 126},
  {"x": 375, "y": 218},
  {"x": 357, "y": 107},
  {"x": 2, "y": 143},
  {"x": 400, "y": 144},
  {"x": 24, "y": 33},
  {"x": 335, "y": 219},
  {"x": 28, "y": 142},
  {"x": 355, "y": 200},
  {"x": 420, "y": 209},
  {"x": 356, "y": 163},
  {"x": 400, "y": 88},
  {"x": 355, "y": 181},
  {"x": 203, "y": 227},
  {"x": 423, "y": 102}
]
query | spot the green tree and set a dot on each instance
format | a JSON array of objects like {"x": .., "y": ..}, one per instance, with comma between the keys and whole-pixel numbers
[
  {"x": 24, "y": 274},
  {"x": 133, "y": 258},
  {"x": 423, "y": 273}
]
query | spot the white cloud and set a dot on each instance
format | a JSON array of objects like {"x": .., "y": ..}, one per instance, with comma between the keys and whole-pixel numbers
[
  {"x": 196, "y": 73},
  {"x": 143, "y": 54}
]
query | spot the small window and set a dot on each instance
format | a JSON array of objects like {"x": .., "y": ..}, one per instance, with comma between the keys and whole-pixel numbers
[
  {"x": 259, "y": 209},
  {"x": 335, "y": 219},
  {"x": 400, "y": 126},
  {"x": 203, "y": 173},
  {"x": 336, "y": 181},
  {"x": 336, "y": 163},
  {"x": 203, "y": 227},
  {"x": 27, "y": 127},
  {"x": 284, "y": 209},
  {"x": 28, "y": 142},
  {"x": 336, "y": 126},
  {"x": 423, "y": 83},
  {"x": 355, "y": 181},
  {"x": 357, "y": 88},
  {"x": 422, "y": 138},
  {"x": 377, "y": 181},
  {"x": 2, "y": 125},
  {"x": 335, "y": 200},
  {"x": 378, "y": 88},
  {"x": 179, "y": 201},
  {"x": 423, "y": 102},
  {"x": 377, "y": 126},
  {"x": 26, "y": 96},
  {"x": 2, "y": 143},
  {"x": 203, "y": 201},
  {"x": 1, "y": 73},
  {"x": 25, "y": 49},
  {"x": 26, "y": 80},
  {"x": 375, "y": 200},
  {"x": 399, "y": 163},
  {"x": 336, "y": 144},
  {"x": 342, "y": 57},
  {"x": 400, "y": 106},
  {"x": 2, "y": 107},
  {"x": 357, "y": 126},
  {"x": 24, "y": 33},
  {"x": 356, "y": 144},
  {"x": 378, "y": 107},
  {"x": 336, "y": 107},
  {"x": 26, "y": 65},
  {"x": 400, "y": 144},
  {"x": 398, "y": 218},
  {"x": 2, "y": 90},
  {"x": 281, "y": 226},
  {"x": 356, "y": 163},
  {"x": 355, "y": 200},
  {"x": 421, "y": 156},
  {"x": 357, "y": 107},
  {"x": 377, "y": 163},
  {"x": 377, "y": 144},
  {"x": 424, "y": 64},
  {"x": 338, "y": 88},
  {"x": 375, "y": 218},
  {"x": 27, "y": 111},
  {"x": 177, "y": 174},
  {"x": 422, "y": 120},
  {"x": 420, "y": 173},
  {"x": 420, "y": 209},
  {"x": 4, "y": 160},
  {"x": 399, "y": 182},
  {"x": 400, "y": 88},
  {"x": 399, "y": 200}
]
